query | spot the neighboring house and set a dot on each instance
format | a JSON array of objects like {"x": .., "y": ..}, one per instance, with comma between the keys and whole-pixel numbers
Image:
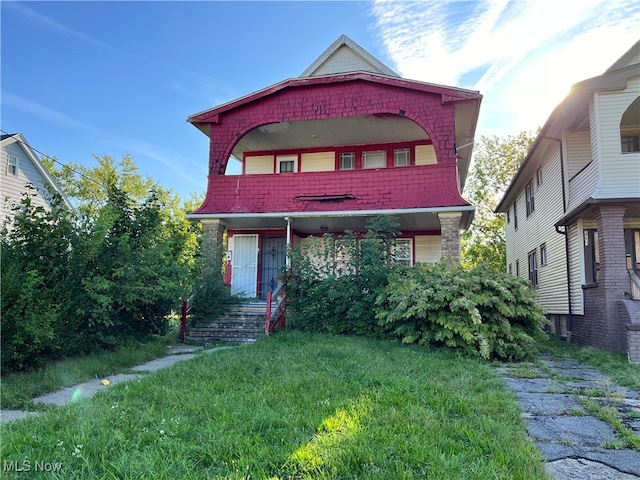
[
  {"x": 23, "y": 172},
  {"x": 346, "y": 141},
  {"x": 573, "y": 209}
]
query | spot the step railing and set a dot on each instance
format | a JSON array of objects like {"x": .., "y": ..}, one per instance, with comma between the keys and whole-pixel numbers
[
  {"x": 635, "y": 285},
  {"x": 276, "y": 316}
]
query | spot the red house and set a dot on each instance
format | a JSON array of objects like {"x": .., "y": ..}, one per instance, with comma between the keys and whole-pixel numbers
[{"x": 347, "y": 140}]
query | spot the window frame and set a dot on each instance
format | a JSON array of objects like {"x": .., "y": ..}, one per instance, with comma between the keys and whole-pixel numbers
[
  {"x": 532, "y": 258},
  {"x": 515, "y": 214},
  {"x": 631, "y": 142},
  {"x": 371, "y": 153},
  {"x": 407, "y": 157},
  {"x": 530, "y": 198},
  {"x": 405, "y": 261},
  {"x": 12, "y": 165},
  {"x": 543, "y": 254},
  {"x": 347, "y": 155}
]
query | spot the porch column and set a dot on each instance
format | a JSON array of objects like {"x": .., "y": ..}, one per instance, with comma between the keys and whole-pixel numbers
[
  {"x": 212, "y": 244},
  {"x": 614, "y": 278},
  {"x": 450, "y": 234}
]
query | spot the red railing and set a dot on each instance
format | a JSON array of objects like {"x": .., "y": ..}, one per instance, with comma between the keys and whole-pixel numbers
[{"x": 276, "y": 316}]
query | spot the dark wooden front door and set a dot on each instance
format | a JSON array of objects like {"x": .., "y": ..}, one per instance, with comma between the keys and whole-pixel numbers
[{"x": 272, "y": 258}]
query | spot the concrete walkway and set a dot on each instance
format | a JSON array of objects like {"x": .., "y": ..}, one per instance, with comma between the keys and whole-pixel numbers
[
  {"x": 575, "y": 444},
  {"x": 175, "y": 354}
]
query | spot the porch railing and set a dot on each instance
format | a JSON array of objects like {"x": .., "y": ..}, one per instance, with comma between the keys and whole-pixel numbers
[
  {"x": 635, "y": 285},
  {"x": 276, "y": 316}
]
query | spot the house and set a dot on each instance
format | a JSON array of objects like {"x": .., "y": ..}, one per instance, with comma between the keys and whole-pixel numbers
[
  {"x": 573, "y": 209},
  {"x": 23, "y": 172},
  {"x": 324, "y": 152}
]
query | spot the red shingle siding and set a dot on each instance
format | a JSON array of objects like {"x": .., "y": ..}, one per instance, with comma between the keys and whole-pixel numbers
[
  {"x": 334, "y": 100},
  {"x": 387, "y": 188}
]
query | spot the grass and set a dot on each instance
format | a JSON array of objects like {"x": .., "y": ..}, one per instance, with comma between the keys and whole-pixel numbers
[
  {"x": 292, "y": 405},
  {"x": 614, "y": 365},
  {"x": 18, "y": 389}
]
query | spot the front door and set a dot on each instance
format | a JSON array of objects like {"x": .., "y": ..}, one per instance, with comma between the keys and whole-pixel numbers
[
  {"x": 244, "y": 265},
  {"x": 272, "y": 258}
]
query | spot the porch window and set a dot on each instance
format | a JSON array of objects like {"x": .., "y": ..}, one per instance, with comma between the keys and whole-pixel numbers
[
  {"x": 533, "y": 268},
  {"x": 401, "y": 157},
  {"x": 591, "y": 255},
  {"x": 375, "y": 159},
  {"x": 401, "y": 251},
  {"x": 630, "y": 143},
  {"x": 347, "y": 161},
  {"x": 12, "y": 165},
  {"x": 286, "y": 166},
  {"x": 629, "y": 134}
]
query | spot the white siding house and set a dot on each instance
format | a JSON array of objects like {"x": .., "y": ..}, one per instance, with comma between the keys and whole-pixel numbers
[
  {"x": 22, "y": 172},
  {"x": 577, "y": 195}
]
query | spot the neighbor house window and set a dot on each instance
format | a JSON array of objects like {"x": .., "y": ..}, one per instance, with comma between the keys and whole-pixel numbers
[
  {"x": 543, "y": 254},
  {"x": 12, "y": 165},
  {"x": 591, "y": 255},
  {"x": 347, "y": 161},
  {"x": 515, "y": 214},
  {"x": 509, "y": 216},
  {"x": 376, "y": 159},
  {"x": 401, "y": 251},
  {"x": 530, "y": 198},
  {"x": 517, "y": 268},
  {"x": 539, "y": 177},
  {"x": 510, "y": 268},
  {"x": 533, "y": 268},
  {"x": 630, "y": 143},
  {"x": 401, "y": 157}
]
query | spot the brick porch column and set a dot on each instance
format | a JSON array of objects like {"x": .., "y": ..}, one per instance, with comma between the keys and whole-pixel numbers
[
  {"x": 450, "y": 234},
  {"x": 212, "y": 246},
  {"x": 614, "y": 278}
]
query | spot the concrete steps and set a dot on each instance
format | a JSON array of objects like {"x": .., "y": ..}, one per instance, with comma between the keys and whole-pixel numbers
[{"x": 243, "y": 324}]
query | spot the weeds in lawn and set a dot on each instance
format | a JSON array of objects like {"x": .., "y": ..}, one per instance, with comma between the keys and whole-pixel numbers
[{"x": 292, "y": 405}]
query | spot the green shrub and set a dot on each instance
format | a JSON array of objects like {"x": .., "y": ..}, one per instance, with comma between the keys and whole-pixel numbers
[
  {"x": 212, "y": 299},
  {"x": 481, "y": 312}
]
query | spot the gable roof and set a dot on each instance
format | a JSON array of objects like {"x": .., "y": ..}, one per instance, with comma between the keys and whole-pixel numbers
[
  {"x": 568, "y": 114},
  {"x": 344, "y": 55},
  {"x": 18, "y": 138}
]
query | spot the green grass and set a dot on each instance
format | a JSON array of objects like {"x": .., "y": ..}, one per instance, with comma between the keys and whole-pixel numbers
[
  {"x": 292, "y": 405},
  {"x": 615, "y": 365},
  {"x": 18, "y": 389}
]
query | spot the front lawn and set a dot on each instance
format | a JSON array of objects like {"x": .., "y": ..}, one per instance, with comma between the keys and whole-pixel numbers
[{"x": 292, "y": 405}]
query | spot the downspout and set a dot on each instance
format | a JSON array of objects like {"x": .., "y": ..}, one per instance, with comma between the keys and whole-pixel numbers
[{"x": 565, "y": 233}]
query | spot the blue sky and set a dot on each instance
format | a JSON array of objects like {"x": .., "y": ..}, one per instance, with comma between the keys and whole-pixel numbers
[{"x": 83, "y": 78}]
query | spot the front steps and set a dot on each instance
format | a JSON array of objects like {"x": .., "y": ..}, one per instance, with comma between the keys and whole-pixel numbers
[{"x": 244, "y": 324}]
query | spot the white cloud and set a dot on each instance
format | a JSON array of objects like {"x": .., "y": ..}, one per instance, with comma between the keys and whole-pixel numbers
[{"x": 523, "y": 55}]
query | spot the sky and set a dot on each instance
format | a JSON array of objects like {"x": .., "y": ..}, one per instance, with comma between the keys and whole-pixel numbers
[{"x": 85, "y": 78}]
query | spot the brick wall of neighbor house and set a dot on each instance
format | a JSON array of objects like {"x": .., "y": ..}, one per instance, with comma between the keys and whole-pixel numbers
[
  {"x": 601, "y": 325},
  {"x": 332, "y": 100},
  {"x": 388, "y": 188},
  {"x": 450, "y": 235}
]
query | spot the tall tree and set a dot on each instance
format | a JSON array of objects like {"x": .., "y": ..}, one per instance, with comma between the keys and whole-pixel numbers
[{"x": 496, "y": 161}]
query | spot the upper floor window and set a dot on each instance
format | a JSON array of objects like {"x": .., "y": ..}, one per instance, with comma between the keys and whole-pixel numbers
[
  {"x": 401, "y": 157},
  {"x": 12, "y": 165},
  {"x": 533, "y": 268},
  {"x": 539, "y": 177},
  {"x": 515, "y": 214},
  {"x": 287, "y": 163},
  {"x": 347, "y": 161},
  {"x": 543, "y": 254},
  {"x": 530, "y": 198},
  {"x": 375, "y": 159},
  {"x": 509, "y": 216},
  {"x": 630, "y": 143}
]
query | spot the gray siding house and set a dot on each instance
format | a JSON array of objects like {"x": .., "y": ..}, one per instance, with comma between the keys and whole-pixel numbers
[
  {"x": 573, "y": 210},
  {"x": 22, "y": 172}
]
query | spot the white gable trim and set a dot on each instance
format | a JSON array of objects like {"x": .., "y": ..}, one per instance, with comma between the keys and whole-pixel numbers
[{"x": 378, "y": 66}]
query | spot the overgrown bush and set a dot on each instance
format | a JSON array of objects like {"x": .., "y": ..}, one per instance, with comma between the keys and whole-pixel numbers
[
  {"x": 211, "y": 299},
  {"x": 481, "y": 312}
]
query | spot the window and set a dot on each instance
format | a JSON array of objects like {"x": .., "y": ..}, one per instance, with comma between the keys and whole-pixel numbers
[
  {"x": 401, "y": 251},
  {"x": 401, "y": 157},
  {"x": 12, "y": 165},
  {"x": 533, "y": 268},
  {"x": 510, "y": 268},
  {"x": 543, "y": 254},
  {"x": 630, "y": 143},
  {"x": 509, "y": 216},
  {"x": 376, "y": 159},
  {"x": 286, "y": 166},
  {"x": 530, "y": 198},
  {"x": 591, "y": 256},
  {"x": 347, "y": 161},
  {"x": 539, "y": 177},
  {"x": 515, "y": 214},
  {"x": 518, "y": 268}
]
